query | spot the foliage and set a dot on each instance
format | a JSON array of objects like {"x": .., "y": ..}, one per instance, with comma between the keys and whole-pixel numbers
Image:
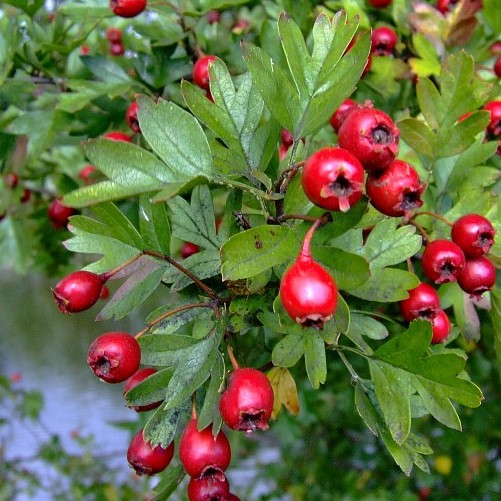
[{"x": 206, "y": 169}]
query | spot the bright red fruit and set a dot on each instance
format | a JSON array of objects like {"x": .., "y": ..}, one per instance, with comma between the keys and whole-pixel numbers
[
  {"x": 117, "y": 49},
  {"x": 86, "y": 173},
  {"x": 209, "y": 489},
  {"x": 78, "y": 291},
  {"x": 247, "y": 403},
  {"x": 441, "y": 327},
  {"x": 188, "y": 249},
  {"x": 233, "y": 497},
  {"x": 370, "y": 135},
  {"x": 379, "y": 4},
  {"x": 201, "y": 71},
  {"x": 202, "y": 454},
  {"x": 118, "y": 136},
  {"x": 445, "y": 6},
  {"x": 339, "y": 114},
  {"x": 148, "y": 460},
  {"x": 423, "y": 302},
  {"x": 333, "y": 179},
  {"x": 114, "y": 35},
  {"x": 59, "y": 214},
  {"x": 114, "y": 356},
  {"x": 134, "y": 380},
  {"x": 474, "y": 234},
  {"x": 127, "y": 8},
  {"x": 131, "y": 117},
  {"x": 286, "y": 138},
  {"x": 307, "y": 291},
  {"x": 494, "y": 127},
  {"x": 497, "y": 67},
  {"x": 478, "y": 276},
  {"x": 442, "y": 261},
  {"x": 384, "y": 40},
  {"x": 495, "y": 48},
  {"x": 396, "y": 191}
]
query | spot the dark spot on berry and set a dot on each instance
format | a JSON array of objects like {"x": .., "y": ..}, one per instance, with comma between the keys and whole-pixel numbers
[
  {"x": 341, "y": 187},
  {"x": 382, "y": 135},
  {"x": 315, "y": 324},
  {"x": 411, "y": 201}
]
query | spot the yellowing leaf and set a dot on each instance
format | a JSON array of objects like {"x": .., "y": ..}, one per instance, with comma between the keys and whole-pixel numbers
[{"x": 285, "y": 391}]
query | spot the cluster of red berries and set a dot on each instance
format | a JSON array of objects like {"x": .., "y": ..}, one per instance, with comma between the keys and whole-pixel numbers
[
  {"x": 115, "y": 357},
  {"x": 114, "y": 36}
]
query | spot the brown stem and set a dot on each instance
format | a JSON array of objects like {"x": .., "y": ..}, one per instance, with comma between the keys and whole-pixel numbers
[
  {"x": 169, "y": 314},
  {"x": 182, "y": 269},
  {"x": 194, "y": 406},
  {"x": 421, "y": 230},
  {"x": 432, "y": 214},
  {"x": 114, "y": 271},
  {"x": 286, "y": 217},
  {"x": 410, "y": 266},
  {"x": 233, "y": 360}
]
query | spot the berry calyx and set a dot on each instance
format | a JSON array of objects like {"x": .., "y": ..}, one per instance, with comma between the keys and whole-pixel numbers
[
  {"x": 423, "y": 302},
  {"x": 202, "y": 454},
  {"x": 134, "y": 380},
  {"x": 209, "y": 489},
  {"x": 78, "y": 291},
  {"x": 118, "y": 136},
  {"x": 201, "y": 71},
  {"x": 478, "y": 276},
  {"x": 440, "y": 327},
  {"x": 188, "y": 249},
  {"x": 247, "y": 402},
  {"x": 332, "y": 178},
  {"x": 442, "y": 261},
  {"x": 114, "y": 356},
  {"x": 148, "y": 460},
  {"x": 307, "y": 291},
  {"x": 338, "y": 116},
  {"x": 131, "y": 117},
  {"x": 474, "y": 234},
  {"x": 396, "y": 191},
  {"x": 384, "y": 40},
  {"x": 59, "y": 214},
  {"x": 370, "y": 135},
  {"x": 127, "y": 8}
]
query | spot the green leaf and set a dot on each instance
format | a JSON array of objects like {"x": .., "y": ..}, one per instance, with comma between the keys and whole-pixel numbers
[
  {"x": 364, "y": 325},
  {"x": 315, "y": 358},
  {"x": 154, "y": 225},
  {"x": 83, "y": 10},
  {"x": 175, "y": 315},
  {"x": 366, "y": 410},
  {"x": 492, "y": 15},
  {"x": 195, "y": 221},
  {"x": 288, "y": 351},
  {"x": 150, "y": 390},
  {"x": 176, "y": 137},
  {"x": 427, "y": 63},
  {"x": 171, "y": 478},
  {"x": 105, "y": 69},
  {"x": 252, "y": 251},
  {"x": 210, "y": 409},
  {"x": 387, "y": 245},
  {"x": 386, "y": 285},
  {"x": 165, "y": 350},
  {"x": 496, "y": 322},
  {"x": 161, "y": 427},
  {"x": 418, "y": 136}
]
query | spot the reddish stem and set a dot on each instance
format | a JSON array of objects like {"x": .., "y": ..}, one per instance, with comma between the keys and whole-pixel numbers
[
  {"x": 432, "y": 214},
  {"x": 233, "y": 360}
]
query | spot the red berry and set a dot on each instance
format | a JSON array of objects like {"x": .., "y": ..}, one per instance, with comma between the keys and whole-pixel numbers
[
  {"x": 11, "y": 180},
  {"x": 209, "y": 489},
  {"x": 84, "y": 50},
  {"x": 286, "y": 138},
  {"x": 497, "y": 67},
  {"x": 396, "y": 191},
  {"x": 188, "y": 249},
  {"x": 442, "y": 261},
  {"x": 202, "y": 454},
  {"x": 384, "y": 40},
  {"x": 131, "y": 117},
  {"x": 478, "y": 276},
  {"x": 134, "y": 380},
  {"x": 379, "y": 4},
  {"x": 78, "y": 291},
  {"x": 340, "y": 113},
  {"x": 307, "y": 291},
  {"x": 240, "y": 26},
  {"x": 59, "y": 214},
  {"x": 333, "y": 179},
  {"x": 25, "y": 197},
  {"x": 233, "y": 497},
  {"x": 148, "y": 460},
  {"x": 495, "y": 48},
  {"x": 282, "y": 151},
  {"x": 114, "y": 35},
  {"x": 118, "y": 136},
  {"x": 424, "y": 493},
  {"x": 127, "y": 8},
  {"x": 474, "y": 234},
  {"x": 494, "y": 127},
  {"x": 370, "y": 135},
  {"x": 247, "y": 403},
  {"x": 87, "y": 173},
  {"x": 201, "y": 71},
  {"x": 441, "y": 327},
  {"x": 114, "y": 356},
  {"x": 117, "y": 49},
  {"x": 445, "y": 6},
  {"x": 423, "y": 302},
  {"x": 213, "y": 16}
]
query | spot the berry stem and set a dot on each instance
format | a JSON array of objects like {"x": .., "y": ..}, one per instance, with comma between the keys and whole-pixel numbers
[
  {"x": 305, "y": 250},
  {"x": 194, "y": 406},
  {"x": 433, "y": 214},
  {"x": 106, "y": 276},
  {"x": 421, "y": 230},
  {"x": 169, "y": 314},
  {"x": 233, "y": 360}
]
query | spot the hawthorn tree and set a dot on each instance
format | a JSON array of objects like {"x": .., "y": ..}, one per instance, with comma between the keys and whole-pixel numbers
[{"x": 207, "y": 153}]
